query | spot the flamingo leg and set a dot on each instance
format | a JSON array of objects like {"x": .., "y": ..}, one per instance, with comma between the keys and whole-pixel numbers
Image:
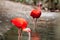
[
  {"x": 35, "y": 23},
  {"x": 19, "y": 34}
]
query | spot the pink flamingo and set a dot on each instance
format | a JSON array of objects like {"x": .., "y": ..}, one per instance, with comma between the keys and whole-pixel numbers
[
  {"x": 21, "y": 24},
  {"x": 36, "y": 13}
]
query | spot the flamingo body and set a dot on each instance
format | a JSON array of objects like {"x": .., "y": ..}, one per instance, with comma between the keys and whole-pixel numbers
[
  {"x": 35, "y": 13},
  {"x": 19, "y": 23}
]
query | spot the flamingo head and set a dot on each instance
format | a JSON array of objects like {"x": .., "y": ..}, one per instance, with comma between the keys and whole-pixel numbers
[{"x": 27, "y": 30}]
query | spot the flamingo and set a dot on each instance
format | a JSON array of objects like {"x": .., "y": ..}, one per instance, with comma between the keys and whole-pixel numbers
[
  {"x": 35, "y": 14},
  {"x": 21, "y": 24}
]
